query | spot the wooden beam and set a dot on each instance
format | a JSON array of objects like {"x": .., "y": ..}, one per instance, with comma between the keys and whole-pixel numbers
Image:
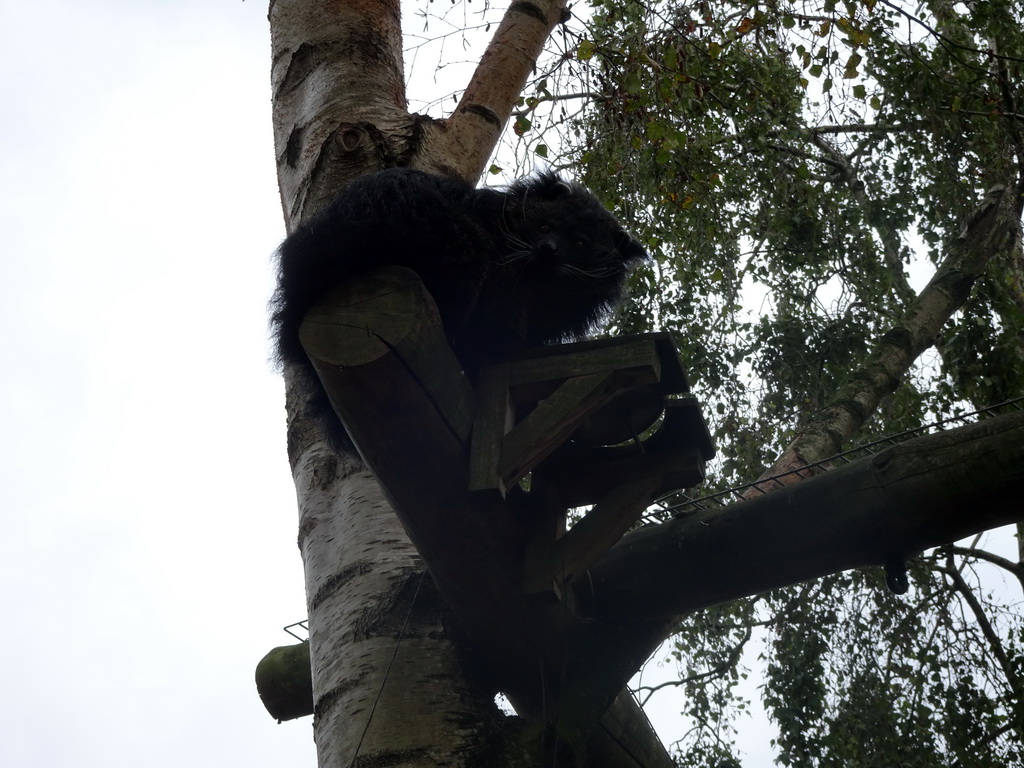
[
  {"x": 380, "y": 351},
  {"x": 552, "y": 422},
  {"x": 604, "y": 525}
]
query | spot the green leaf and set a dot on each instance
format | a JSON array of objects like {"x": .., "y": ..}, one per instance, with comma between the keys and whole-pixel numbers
[
  {"x": 633, "y": 83},
  {"x": 851, "y": 66},
  {"x": 656, "y": 130},
  {"x": 671, "y": 57},
  {"x": 776, "y": 279}
]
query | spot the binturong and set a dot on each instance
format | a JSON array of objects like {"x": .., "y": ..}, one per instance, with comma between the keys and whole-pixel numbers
[{"x": 541, "y": 262}]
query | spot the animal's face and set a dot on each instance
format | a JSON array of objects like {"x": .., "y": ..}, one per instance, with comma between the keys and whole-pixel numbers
[
  {"x": 563, "y": 229},
  {"x": 586, "y": 247}
]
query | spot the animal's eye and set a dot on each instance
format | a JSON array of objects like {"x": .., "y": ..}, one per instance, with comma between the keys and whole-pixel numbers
[
  {"x": 544, "y": 229},
  {"x": 578, "y": 244}
]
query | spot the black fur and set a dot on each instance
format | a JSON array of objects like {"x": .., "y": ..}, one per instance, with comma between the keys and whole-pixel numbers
[{"x": 541, "y": 262}]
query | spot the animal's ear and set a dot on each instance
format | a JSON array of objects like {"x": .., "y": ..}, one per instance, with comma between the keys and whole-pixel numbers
[
  {"x": 552, "y": 186},
  {"x": 560, "y": 189}
]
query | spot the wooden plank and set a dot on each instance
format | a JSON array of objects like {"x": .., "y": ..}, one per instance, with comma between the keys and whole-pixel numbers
[
  {"x": 628, "y": 414},
  {"x": 545, "y": 525},
  {"x": 558, "y": 389},
  {"x": 494, "y": 417},
  {"x": 552, "y": 422},
  {"x": 673, "y": 374},
  {"x": 676, "y": 452},
  {"x": 604, "y": 525},
  {"x": 535, "y": 377},
  {"x": 690, "y": 428}
]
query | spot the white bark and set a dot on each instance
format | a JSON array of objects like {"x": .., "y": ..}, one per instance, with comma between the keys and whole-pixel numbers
[
  {"x": 387, "y": 685},
  {"x": 385, "y": 678}
]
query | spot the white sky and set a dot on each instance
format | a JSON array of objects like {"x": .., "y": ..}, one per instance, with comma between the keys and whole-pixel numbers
[{"x": 147, "y": 554}]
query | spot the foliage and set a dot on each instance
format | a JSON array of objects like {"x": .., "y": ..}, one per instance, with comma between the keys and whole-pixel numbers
[
  {"x": 793, "y": 154},
  {"x": 856, "y": 677},
  {"x": 797, "y": 169}
]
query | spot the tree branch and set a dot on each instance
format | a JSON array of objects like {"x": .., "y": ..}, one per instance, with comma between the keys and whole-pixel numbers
[
  {"x": 888, "y": 236},
  {"x": 497, "y": 82},
  {"x": 995, "y": 644},
  {"x": 993, "y": 229},
  {"x": 922, "y": 493},
  {"x": 929, "y": 491},
  {"x": 1017, "y": 569}
]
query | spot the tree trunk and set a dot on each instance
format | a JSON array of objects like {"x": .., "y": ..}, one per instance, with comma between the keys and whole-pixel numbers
[{"x": 388, "y": 686}]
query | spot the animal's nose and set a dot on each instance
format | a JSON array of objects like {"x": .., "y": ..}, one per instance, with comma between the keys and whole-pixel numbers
[{"x": 548, "y": 247}]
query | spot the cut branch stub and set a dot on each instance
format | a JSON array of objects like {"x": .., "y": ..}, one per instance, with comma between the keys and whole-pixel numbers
[
  {"x": 359, "y": 325},
  {"x": 285, "y": 683}
]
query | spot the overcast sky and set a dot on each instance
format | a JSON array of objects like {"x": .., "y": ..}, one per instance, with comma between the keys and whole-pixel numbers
[{"x": 147, "y": 554}]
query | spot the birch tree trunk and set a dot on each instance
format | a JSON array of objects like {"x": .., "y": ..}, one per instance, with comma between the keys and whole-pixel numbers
[{"x": 388, "y": 686}]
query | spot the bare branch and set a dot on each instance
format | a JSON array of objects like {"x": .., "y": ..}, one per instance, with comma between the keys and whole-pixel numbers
[{"x": 488, "y": 100}]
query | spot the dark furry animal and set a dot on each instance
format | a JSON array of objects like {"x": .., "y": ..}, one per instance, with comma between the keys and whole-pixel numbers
[{"x": 541, "y": 262}]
